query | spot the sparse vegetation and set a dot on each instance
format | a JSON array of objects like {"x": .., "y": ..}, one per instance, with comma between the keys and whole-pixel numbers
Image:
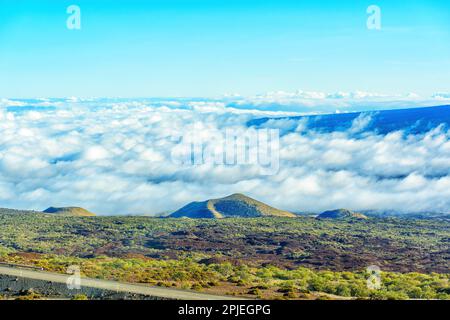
[{"x": 287, "y": 258}]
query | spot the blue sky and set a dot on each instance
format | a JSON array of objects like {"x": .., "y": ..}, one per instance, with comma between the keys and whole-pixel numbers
[{"x": 208, "y": 48}]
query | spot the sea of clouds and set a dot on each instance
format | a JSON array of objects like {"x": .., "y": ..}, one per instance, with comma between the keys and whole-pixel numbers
[{"x": 115, "y": 156}]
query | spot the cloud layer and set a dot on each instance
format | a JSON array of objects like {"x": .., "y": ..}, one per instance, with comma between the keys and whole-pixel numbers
[
  {"x": 323, "y": 102},
  {"x": 114, "y": 157}
]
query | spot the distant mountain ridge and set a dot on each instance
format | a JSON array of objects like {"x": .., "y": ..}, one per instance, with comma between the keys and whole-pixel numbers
[
  {"x": 69, "y": 211},
  {"x": 412, "y": 120},
  {"x": 236, "y": 205}
]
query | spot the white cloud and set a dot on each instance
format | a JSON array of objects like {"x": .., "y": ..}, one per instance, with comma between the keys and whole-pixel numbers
[
  {"x": 325, "y": 102},
  {"x": 10, "y": 103},
  {"x": 115, "y": 158},
  {"x": 360, "y": 123}
]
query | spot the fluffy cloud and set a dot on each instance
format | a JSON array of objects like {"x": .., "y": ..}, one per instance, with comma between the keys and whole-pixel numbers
[
  {"x": 441, "y": 96},
  {"x": 116, "y": 157},
  {"x": 313, "y": 102}
]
